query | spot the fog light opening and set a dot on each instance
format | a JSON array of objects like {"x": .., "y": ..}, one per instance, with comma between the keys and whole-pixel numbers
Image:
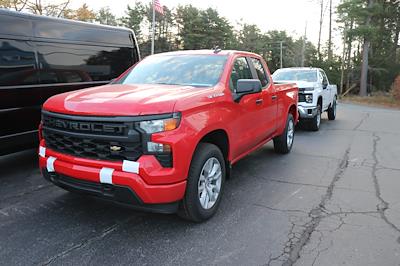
[{"x": 158, "y": 147}]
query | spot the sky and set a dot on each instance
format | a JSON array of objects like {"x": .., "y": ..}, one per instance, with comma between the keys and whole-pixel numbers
[{"x": 289, "y": 15}]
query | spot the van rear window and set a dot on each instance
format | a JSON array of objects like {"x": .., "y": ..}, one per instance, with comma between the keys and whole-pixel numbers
[
  {"x": 16, "y": 26},
  {"x": 82, "y": 33}
]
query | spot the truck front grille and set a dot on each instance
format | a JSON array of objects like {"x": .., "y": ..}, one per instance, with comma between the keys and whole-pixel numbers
[
  {"x": 92, "y": 148},
  {"x": 102, "y": 138},
  {"x": 302, "y": 97}
]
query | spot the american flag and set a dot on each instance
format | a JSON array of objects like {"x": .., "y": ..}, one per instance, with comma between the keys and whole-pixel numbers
[{"x": 158, "y": 7}]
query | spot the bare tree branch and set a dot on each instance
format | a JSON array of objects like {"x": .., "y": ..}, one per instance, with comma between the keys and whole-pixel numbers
[{"x": 63, "y": 8}]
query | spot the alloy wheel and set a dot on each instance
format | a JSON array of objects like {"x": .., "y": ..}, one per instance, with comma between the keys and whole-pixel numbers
[{"x": 209, "y": 184}]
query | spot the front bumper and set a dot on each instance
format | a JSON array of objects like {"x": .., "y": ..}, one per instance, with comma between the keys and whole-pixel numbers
[
  {"x": 123, "y": 195},
  {"x": 118, "y": 185},
  {"x": 307, "y": 111}
]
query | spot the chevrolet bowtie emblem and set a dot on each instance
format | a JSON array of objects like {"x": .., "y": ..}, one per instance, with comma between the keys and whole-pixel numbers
[{"x": 115, "y": 148}]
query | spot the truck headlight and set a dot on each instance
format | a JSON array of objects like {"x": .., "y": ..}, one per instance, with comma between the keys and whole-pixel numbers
[
  {"x": 160, "y": 125},
  {"x": 309, "y": 98}
]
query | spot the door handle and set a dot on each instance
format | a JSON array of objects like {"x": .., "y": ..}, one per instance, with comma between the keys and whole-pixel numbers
[
  {"x": 274, "y": 97},
  {"x": 259, "y": 101}
]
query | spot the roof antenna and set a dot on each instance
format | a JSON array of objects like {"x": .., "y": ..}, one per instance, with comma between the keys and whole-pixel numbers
[{"x": 217, "y": 49}]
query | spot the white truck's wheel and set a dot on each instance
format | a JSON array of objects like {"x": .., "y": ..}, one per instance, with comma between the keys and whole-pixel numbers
[
  {"x": 332, "y": 110},
  {"x": 315, "y": 122}
]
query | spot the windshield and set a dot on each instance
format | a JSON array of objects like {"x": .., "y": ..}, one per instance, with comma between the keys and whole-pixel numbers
[
  {"x": 188, "y": 70},
  {"x": 300, "y": 75}
]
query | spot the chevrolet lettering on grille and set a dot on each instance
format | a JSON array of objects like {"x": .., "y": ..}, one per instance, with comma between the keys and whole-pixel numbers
[{"x": 84, "y": 126}]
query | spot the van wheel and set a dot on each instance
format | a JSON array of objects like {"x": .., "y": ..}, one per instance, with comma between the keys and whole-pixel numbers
[
  {"x": 205, "y": 184},
  {"x": 315, "y": 122},
  {"x": 283, "y": 143},
  {"x": 332, "y": 110}
]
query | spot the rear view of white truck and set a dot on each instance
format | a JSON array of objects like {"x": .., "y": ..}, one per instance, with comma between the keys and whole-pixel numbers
[{"x": 316, "y": 94}]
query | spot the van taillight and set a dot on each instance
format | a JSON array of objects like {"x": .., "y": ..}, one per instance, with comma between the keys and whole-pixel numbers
[{"x": 40, "y": 131}]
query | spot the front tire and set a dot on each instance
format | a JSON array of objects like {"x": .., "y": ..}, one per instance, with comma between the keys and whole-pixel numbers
[
  {"x": 315, "y": 122},
  {"x": 332, "y": 110},
  {"x": 283, "y": 143},
  {"x": 205, "y": 184}
]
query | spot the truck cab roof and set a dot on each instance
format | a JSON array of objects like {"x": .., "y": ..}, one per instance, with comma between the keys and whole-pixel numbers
[
  {"x": 208, "y": 52},
  {"x": 299, "y": 68}
]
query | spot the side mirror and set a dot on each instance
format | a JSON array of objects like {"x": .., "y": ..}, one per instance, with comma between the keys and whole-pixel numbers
[
  {"x": 246, "y": 86},
  {"x": 324, "y": 85}
]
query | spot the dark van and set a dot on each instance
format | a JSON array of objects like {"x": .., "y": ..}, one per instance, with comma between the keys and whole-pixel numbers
[{"x": 42, "y": 56}]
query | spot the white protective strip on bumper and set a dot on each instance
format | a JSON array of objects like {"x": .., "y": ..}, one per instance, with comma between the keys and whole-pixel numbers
[
  {"x": 130, "y": 167},
  {"x": 106, "y": 175},
  {"x": 50, "y": 164},
  {"x": 42, "y": 151}
]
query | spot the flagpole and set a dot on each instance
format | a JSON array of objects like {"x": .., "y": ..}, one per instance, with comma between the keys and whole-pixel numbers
[{"x": 152, "y": 30}]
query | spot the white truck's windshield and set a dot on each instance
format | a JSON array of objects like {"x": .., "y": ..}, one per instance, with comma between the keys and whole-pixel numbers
[
  {"x": 189, "y": 70},
  {"x": 298, "y": 75}
]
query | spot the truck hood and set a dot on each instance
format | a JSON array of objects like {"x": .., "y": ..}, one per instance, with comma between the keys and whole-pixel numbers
[
  {"x": 121, "y": 100},
  {"x": 300, "y": 84}
]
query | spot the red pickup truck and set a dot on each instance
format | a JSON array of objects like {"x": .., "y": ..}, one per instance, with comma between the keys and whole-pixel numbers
[{"x": 163, "y": 136}]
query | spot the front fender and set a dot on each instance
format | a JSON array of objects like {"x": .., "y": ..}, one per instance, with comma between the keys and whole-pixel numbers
[{"x": 195, "y": 124}]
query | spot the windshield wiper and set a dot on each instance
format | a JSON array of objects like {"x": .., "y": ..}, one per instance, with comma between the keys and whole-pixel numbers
[{"x": 183, "y": 84}]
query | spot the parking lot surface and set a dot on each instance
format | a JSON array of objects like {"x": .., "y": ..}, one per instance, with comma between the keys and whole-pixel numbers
[{"x": 335, "y": 200}]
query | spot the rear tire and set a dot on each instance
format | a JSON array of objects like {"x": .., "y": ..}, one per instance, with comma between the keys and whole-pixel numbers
[
  {"x": 284, "y": 143},
  {"x": 332, "y": 110},
  {"x": 315, "y": 122},
  {"x": 204, "y": 190}
]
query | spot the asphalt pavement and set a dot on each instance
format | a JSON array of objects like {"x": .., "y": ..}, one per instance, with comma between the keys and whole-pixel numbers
[{"x": 335, "y": 200}]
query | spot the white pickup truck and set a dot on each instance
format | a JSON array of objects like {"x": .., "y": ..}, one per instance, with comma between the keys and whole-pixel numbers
[{"x": 316, "y": 95}]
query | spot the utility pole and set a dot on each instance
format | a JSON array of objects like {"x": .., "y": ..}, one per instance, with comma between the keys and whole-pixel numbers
[
  {"x": 365, "y": 53},
  {"x": 273, "y": 46},
  {"x": 303, "y": 49},
  {"x": 343, "y": 58},
  {"x": 281, "y": 46},
  {"x": 321, "y": 18},
  {"x": 330, "y": 32},
  {"x": 348, "y": 56},
  {"x": 153, "y": 28}
]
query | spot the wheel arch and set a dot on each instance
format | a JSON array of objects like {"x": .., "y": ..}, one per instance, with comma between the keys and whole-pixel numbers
[
  {"x": 294, "y": 112},
  {"x": 320, "y": 101},
  {"x": 333, "y": 99},
  {"x": 220, "y": 138}
]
